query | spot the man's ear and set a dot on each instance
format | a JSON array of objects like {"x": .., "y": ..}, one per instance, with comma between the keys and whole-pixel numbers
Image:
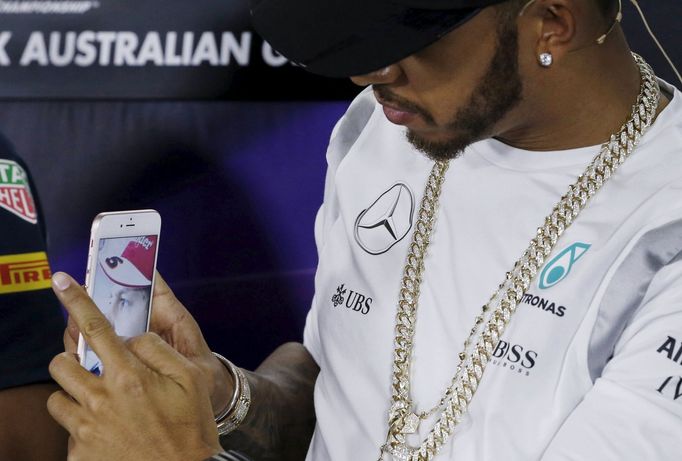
[{"x": 556, "y": 25}]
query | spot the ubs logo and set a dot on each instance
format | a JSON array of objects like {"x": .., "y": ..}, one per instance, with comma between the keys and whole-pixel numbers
[
  {"x": 352, "y": 300},
  {"x": 386, "y": 221}
]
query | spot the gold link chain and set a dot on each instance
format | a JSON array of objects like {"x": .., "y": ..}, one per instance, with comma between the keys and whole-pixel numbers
[{"x": 497, "y": 312}]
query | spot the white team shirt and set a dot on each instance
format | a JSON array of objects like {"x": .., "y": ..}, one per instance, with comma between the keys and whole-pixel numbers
[{"x": 590, "y": 367}]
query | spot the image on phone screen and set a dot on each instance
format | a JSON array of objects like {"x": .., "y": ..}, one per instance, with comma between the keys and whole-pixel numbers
[{"x": 122, "y": 287}]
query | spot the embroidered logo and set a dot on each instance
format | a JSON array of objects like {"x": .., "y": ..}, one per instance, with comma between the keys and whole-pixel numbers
[
  {"x": 544, "y": 304},
  {"x": 671, "y": 387},
  {"x": 560, "y": 266},
  {"x": 386, "y": 221},
  {"x": 354, "y": 301},
  {"x": 338, "y": 298},
  {"x": 514, "y": 357},
  {"x": 24, "y": 272},
  {"x": 15, "y": 193}
]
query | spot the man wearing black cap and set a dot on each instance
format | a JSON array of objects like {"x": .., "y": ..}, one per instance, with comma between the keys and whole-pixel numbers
[{"x": 548, "y": 194}]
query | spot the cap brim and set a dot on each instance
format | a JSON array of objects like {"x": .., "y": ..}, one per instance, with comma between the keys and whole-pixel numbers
[
  {"x": 125, "y": 273},
  {"x": 341, "y": 39}
]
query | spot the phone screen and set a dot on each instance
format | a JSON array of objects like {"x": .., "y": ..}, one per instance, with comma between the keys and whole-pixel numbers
[{"x": 121, "y": 287}]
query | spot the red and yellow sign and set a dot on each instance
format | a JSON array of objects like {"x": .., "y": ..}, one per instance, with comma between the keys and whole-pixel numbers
[
  {"x": 24, "y": 272},
  {"x": 15, "y": 193}
]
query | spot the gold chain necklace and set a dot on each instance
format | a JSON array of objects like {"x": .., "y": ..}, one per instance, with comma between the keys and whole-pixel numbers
[{"x": 403, "y": 419}]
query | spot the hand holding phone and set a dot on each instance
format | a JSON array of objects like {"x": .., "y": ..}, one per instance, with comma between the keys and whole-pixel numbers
[
  {"x": 120, "y": 273},
  {"x": 108, "y": 421}
]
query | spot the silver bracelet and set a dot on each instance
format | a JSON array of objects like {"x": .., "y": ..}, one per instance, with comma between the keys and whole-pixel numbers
[
  {"x": 228, "y": 456},
  {"x": 233, "y": 415}
]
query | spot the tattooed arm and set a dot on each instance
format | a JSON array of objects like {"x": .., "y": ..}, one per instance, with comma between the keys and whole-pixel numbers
[{"x": 281, "y": 418}]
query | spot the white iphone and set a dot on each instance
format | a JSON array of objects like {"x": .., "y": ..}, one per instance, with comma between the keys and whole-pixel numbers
[{"x": 120, "y": 273}]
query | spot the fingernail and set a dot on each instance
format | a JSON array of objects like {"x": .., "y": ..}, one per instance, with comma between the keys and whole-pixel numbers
[
  {"x": 383, "y": 72},
  {"x": 61, "y": 281}
]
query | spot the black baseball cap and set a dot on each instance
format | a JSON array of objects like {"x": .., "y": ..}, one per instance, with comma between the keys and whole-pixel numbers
[{"x": 341, "y": 38}]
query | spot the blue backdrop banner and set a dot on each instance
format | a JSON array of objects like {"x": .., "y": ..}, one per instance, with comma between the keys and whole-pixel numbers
[{"x": 203, "y": 49}]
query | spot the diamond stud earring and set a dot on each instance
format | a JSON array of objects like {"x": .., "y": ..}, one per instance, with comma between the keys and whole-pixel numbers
[{"x": 546, "y": 59}]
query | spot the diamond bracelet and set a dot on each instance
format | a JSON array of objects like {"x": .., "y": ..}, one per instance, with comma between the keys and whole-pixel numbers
[{"x": 233, "y": 415}]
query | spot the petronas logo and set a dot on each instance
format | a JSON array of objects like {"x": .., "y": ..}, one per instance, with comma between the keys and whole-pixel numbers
[{"x": 560, "y": 266}]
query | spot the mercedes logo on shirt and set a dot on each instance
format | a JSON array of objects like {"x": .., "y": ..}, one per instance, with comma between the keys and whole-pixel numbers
[{"x": 386, "y": 221}]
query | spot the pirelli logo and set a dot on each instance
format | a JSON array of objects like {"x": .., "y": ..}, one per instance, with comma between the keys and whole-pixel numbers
[{"x": 24, "y": 272}]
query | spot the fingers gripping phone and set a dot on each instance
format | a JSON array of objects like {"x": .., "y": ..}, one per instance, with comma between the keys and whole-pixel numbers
[{"x": 120, "y": 274}]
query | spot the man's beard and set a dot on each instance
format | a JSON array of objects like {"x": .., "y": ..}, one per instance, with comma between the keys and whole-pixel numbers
[{"x": 497, "y": 93}]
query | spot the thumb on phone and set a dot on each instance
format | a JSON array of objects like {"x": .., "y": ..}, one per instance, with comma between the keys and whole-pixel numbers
[{"x": 167, "y": 312}]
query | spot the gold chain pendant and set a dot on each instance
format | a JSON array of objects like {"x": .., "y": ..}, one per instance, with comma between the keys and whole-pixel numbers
[{"x": 496, "y": 314}]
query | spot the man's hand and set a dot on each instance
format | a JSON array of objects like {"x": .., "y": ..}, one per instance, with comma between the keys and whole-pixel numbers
[
  {"x": 177, "y": 327},
  {"x": 281, "y": 419},
  {"x": 151, "y": 402}
]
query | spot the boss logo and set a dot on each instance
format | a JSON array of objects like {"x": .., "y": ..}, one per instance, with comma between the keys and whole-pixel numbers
[{"x": 514, "y": 357}]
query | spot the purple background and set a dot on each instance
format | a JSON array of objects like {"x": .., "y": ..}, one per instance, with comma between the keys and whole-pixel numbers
[{"x": 237, "y": 185}]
